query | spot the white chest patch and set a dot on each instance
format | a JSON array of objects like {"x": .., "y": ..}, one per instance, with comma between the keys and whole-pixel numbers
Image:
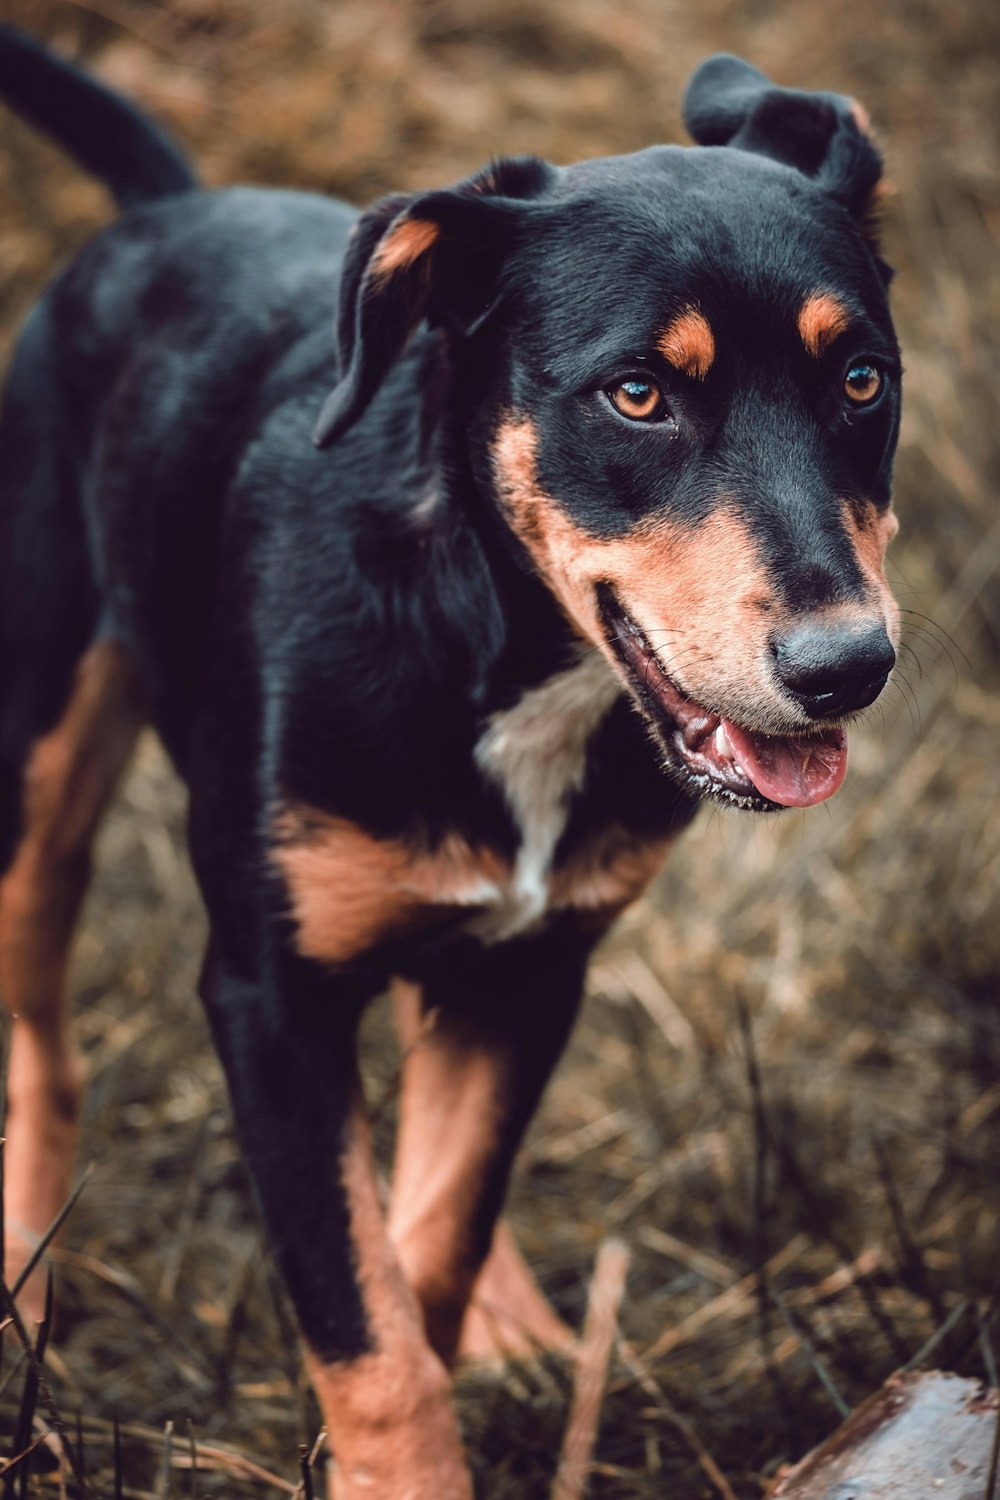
[{"x": 536, "y": 753}]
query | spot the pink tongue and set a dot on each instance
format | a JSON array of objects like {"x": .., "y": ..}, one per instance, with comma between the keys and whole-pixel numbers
[{"x": 792, "y": 772}]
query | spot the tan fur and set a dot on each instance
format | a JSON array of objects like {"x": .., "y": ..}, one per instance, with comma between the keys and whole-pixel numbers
[
  {"x": 453, "y": 1095},
  {"x": 609, "y": 874},
  {"x": 871, "y": 533},
  {"x": 822, "y": 318},
  {"x": 68, "y": 780},
  {"x": 388, "y": 1413},
  {"x": 401, "y": 246},
  {"x": 508, "y": 1316},
  {"x": 699, "y": 593},
  {"x": 348, "y": 890},
  {"x": 862, "y": 118},
  {"x": 688, "y": 343},
  {"x": 446, "y": 1133}
]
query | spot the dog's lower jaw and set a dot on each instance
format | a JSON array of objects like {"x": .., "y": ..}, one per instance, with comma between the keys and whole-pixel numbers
[{"x": 712, "y": 756}]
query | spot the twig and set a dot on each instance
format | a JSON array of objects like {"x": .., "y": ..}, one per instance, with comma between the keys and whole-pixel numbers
[
  {"x": 9, "y": 1464},
  {"x": 954, "y": 1317},
  {"x": 193, "y": 1455},
  {"x": 50, "y": 1233},
  {"x": 913, "y": 1266},
  {"x": 314, "y": 1452},
  {"x": 708, "y": 1266},
  {"x": 726, "y": 1301},
  {"x": 43, "y": 1386},
  {"x": 307, "y": 1484},
  {"x": 119, "y": 1477},
  {"x": 592, "y": 1356},
  {"x": 685, "y": 1427},
  {"x": 168, "y": 1439},
  {"x": 796, "y": 1323},
  {"x": 211, "y": 1456},
  {"x": 762, "y": 1146},
  {"x": 825, "y": 1224}
]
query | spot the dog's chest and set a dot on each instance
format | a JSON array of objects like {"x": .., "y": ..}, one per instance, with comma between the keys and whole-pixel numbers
[
  {"x": 535, "y": 753},
  {"x": 350, "y": 892}
]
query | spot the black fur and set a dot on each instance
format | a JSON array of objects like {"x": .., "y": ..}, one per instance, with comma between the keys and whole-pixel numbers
[
  {"x": 336, "y": 627},
  {"x": 102, "y": 131}
]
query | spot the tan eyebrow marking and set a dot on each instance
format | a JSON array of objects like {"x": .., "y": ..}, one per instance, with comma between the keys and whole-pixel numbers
[
  {"x": 822, "y": 318},
  {"x": 402, "y": 246},
  {"x": 688, "y": 344}
]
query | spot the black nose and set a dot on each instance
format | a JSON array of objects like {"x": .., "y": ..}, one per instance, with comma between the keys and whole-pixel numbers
[{"x": 833, "y": 669}]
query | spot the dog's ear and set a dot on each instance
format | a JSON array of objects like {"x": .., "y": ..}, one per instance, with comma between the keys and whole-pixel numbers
[
  {"x": 434, "y": 256},
  {"x": 825, "y": 136}
]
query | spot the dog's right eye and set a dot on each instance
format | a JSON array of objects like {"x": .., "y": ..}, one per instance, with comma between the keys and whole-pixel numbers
[{"x": 639, "y": 399}]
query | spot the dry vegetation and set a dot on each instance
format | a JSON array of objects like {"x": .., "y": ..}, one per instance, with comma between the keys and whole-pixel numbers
[{"x": 790, "y": 1058}]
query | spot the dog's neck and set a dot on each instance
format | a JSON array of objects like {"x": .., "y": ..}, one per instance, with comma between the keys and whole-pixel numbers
[{"x": 537, "y": 638}]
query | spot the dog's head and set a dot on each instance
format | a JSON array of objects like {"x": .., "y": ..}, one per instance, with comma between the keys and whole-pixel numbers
[{"x": 681, "y": 386}]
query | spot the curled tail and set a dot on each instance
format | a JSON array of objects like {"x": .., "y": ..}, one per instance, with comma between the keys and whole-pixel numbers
[{"x": 106, "y": 134}]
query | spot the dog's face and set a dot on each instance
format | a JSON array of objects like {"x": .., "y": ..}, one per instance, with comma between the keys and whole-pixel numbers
[{"x": 683, "y": 391}]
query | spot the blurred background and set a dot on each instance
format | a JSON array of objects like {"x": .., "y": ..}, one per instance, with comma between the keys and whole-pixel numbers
[{"x": 789, "y": 1061}]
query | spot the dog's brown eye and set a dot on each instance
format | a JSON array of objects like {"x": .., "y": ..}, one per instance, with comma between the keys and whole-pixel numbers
[
  {"x": 863, "y": 383},
  {"x": 638, "y": 399}
]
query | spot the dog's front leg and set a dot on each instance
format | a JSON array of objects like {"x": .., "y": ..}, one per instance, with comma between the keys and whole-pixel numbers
[
  {"x": 288, "y": 1046},
  {"x": 495, "y": 1022}
]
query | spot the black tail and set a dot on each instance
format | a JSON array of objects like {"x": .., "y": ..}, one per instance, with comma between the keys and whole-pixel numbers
[{"x": 104, "y": 132}]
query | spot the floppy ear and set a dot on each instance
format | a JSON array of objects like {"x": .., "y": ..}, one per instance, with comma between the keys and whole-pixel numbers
[
  {"x": 434, "y": 256},
  {"x": 730, "y": 103}
]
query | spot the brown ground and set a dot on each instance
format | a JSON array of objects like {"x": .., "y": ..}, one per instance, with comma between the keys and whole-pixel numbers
[{"x": 791, "y": 1052}]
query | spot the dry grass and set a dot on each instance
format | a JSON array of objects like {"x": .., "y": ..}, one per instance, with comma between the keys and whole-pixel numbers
[{"x": 789, "y": 1059}]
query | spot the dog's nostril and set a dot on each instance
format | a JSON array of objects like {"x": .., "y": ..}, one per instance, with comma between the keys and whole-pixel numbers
[{"x": 833, "y": 669}]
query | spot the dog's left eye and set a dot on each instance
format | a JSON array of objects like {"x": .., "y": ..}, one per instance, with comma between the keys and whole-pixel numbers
[
  {"x": 863, "y": 384},
  {"x": 639, "y": 399}
]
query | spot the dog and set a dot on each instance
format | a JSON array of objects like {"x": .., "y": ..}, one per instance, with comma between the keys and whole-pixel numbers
[{"x": 450, "y": 621}]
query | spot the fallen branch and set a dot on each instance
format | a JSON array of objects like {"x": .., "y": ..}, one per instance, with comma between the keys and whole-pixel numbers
[{"x": 592, "y": 1356}]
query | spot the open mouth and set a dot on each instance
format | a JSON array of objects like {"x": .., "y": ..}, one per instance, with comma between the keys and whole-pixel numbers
[{"x": 716, "y": 757}]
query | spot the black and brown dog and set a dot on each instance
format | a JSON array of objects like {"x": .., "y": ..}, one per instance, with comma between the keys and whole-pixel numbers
[{"x": 591, "y": 528}]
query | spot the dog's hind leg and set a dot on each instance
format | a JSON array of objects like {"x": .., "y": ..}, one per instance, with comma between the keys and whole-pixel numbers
[
  {"x": 492, "y": 1029},
  {"x": 67, "y": 720},
  {"x": 67, "y": 779},
  {"x": 508, "y": 1315}
]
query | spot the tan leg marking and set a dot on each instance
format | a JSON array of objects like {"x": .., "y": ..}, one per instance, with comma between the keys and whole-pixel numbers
[
  {"x": 700, "y": 593},
  {"x": 444, "y": 1144},
  {"x": 822, "y": 318},
  {"x": 68, "y": 781},
  {"x": 349, "y": 890},
  {"x": 450, "y": 1116},
  {"x": 508, "y": 1315},
  {"x": 688, "y": 343},
  {"x": 388, "y": 1413}
]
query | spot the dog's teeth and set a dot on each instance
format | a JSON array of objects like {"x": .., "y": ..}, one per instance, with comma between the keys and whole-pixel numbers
[{"x": 722, "y": 749}]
